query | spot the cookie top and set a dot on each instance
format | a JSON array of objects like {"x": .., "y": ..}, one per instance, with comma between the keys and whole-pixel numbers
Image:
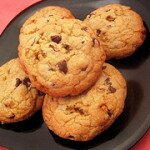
[
  {"x": 43, "y": 17},
  {"x": 63, "y": 58},
  {"x": 82, "y": 117},
  {"x": 119, "y": 29},
  {"x": 18, "y": 98}
]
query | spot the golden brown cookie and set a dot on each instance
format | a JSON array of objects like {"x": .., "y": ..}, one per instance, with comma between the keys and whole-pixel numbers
[
  {"x": 119, "y": 29},
  {"x": 18, "y": 98},
  {"x": 62, "y": 58},
  {"x": 45, "y": 16},
  {"x": 82, "y": 117}
]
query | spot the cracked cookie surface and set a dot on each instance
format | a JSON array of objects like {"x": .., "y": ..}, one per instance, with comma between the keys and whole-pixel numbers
[
  {"x": 62, "y": 58},
  {"x": 45, "y": 16},
  {"x": 119, "y": 29},
  {"x": 18, "y": 98},
  {"x": 82, "y": 117}
]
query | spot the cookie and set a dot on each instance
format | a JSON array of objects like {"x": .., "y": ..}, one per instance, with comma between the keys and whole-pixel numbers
[
  {"x": 119, "y": 29},
  {"x": 18, "y": 98},
  {"x": 63, "y": 58},
  {"x": 83, "y": 117},
  {"x": 45, "y": 16}
]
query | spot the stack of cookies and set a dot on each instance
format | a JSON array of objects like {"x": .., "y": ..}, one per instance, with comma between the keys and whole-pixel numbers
[{"x": 64, "y": 58}]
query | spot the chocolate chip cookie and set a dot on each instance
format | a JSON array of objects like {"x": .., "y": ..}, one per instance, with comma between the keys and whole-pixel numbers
[
  {"x": 18, "y": 98},
  {"x": 119, "y": 29},
  {"x": 62, "y": 58},
  {"x": 82, "y": 117},
  {"x": 45, "y": 16}
]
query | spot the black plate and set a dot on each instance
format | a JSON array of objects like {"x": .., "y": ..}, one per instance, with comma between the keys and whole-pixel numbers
[{"x": 128, "y": 128}]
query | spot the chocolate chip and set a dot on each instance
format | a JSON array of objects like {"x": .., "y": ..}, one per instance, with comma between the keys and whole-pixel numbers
[
  {"x": 103, "y": 67},
  {"x": 110, "y": 18},
  {"x": 84, "y": 69},
  {"x": 67, "y": 47},
  {"x": 12, "y": 116},
  {"x": 41, "y": 93},
  {"x": 83, "y": 42},
  {"x": 95, "y": 42},
  {"x": 26, "y": 81},
  {"x": 98, "y": 32},
  {"x": 111, "y": 89},
  {"x": 109, "y": 113},
  {"x": 107, "y": 81},
  {"x": 84, "y": 28},
  {"x": 56, "y": 38},
  {"x": 63, "y": 66},
  {"x": 18, "y": 82}
]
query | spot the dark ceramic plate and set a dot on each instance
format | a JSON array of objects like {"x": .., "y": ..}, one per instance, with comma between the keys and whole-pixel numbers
[{"x": 128, "y": 128}]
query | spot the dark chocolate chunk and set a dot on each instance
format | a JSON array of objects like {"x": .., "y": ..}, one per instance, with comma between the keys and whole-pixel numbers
[
  {"x": 110, "y": 18},
  {"x": 18, "y": 82},
  {"x": 83, "y": 42},
  {"x": 84, "y": 28},
  {"x": 63, "y": 66},
  {"x": 98, "y": 32},
  {"x": 56, "y": 38},
  {"x": 111, "y": 89},
  {"x": 104, "y": 67},
  {"x": 26, "y": 81},
  {"x": 41, "y": 93}
]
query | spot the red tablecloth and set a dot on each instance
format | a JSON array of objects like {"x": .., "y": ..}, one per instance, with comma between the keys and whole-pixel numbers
[{"x": 9, "y": 9}]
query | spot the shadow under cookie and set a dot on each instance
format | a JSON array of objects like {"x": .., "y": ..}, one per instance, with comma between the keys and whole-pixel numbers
[
  {"x": 132, "y": 104},
  {"x": 29, "y": 125},
  {"x": 138, "y": 58}
]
